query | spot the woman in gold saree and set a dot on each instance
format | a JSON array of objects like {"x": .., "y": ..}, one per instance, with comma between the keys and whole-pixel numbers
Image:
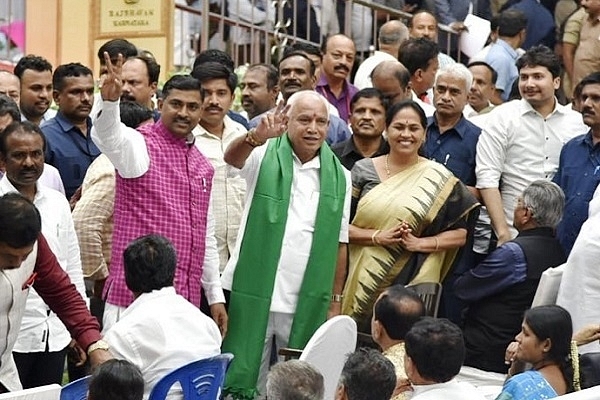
[{"x": 410, "y": 216}]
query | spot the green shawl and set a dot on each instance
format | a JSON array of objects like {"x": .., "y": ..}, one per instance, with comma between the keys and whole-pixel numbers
[{"x": 259, "y": 256}]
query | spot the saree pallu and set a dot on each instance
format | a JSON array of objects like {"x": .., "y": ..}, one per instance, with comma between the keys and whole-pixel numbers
[
  {"x": 528, "y": 385},
  {"x": 431, "y": 200}
]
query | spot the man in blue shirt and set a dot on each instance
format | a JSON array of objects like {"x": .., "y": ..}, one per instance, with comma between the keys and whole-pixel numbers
[
  {"x": 451, "y": 140},
  {"x": 503, "y": 54},
  {"x": 541, "y": 27},
  {"x": 579, "y": 165},
  {"x": 69, "y": 146}
]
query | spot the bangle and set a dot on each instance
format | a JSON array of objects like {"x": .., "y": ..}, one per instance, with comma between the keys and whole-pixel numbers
[
  {"x": 374, "y": 237},
  {"x": 437, "y": 243},
  {"x": 337, "y": 298},
  {"x": 251, "y": 139}
]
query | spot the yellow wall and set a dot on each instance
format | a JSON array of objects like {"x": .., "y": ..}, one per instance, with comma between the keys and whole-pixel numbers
[{"x": 64, "y": 31}]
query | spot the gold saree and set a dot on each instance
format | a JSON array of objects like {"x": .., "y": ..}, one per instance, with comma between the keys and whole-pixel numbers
[{"x": 431, "y": 200}]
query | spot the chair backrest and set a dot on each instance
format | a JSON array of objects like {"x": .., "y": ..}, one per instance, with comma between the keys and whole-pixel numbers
[
  {"x": 199, "y": 380},
  {"x": 76, "y": 390},
  {"x": 547, "y": 290},
  {"x": 589, "y": 369},
  {"x": 327, "y": 350},
  {"x": 47, "y": 392},
  {"x": 430, "y": 293}
]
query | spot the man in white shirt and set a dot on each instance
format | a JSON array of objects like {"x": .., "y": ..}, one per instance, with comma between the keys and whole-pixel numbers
[
  {"x": 9, "y": 113},
  {"x": 160, "y": 331},
  {"x": 391, "y": 36},
  {"x": 522, "y": 139},
  {"x": 434, "y": 354},
  {"x": 482, "y": 90},
  {"x": 41, "y": 346},
  {"x": 35, "y": 75},
  {"x": 213, "y": 134},
  {"x": 284, "y": 284}
]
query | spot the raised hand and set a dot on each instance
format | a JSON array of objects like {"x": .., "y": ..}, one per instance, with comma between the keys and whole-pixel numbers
[
  {"x": 111, "y": 83},
  {"x": 511, "y": 352},
  {"x": 273, "y": 124}
]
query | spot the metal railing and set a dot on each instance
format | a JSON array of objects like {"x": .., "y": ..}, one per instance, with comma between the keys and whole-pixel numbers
[{"x": 250, "y": 43}]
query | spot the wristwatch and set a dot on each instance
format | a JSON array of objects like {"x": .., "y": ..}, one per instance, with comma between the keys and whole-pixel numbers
[{"x": 99, "y": 345}]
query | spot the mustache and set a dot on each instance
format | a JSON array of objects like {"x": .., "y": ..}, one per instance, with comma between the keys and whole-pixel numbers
[
  {"x": 214, "y": 107},
  {"x": 289, "y": 82},
  {"x": 127, "y": 97},
  {"x": 341, "y": 67},
  {"x": 184, "y": 120}
]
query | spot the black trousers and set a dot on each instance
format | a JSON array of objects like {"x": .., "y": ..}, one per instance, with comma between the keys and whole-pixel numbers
[{"x": 40, "y": 368}]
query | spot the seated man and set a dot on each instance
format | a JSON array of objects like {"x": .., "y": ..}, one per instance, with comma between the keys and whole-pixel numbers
[
  {"x": 367, "y": 375},
  {"x": 434, "y": 355},
  {"x": 294, "y": 379},
  {"x": 395, "y": 312},
  {"x": 116, "y": 380},
  {"x": 160, "y": 331},
  {"x": 502, "y": 287}
]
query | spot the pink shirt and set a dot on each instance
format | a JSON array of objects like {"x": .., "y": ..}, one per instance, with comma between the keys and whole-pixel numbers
[{"x": 168, "y": 194}]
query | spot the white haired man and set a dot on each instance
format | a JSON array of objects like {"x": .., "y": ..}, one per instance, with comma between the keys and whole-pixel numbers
[{"x": 286, "y": 284}]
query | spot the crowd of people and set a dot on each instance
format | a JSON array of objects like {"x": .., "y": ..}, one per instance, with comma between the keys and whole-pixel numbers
[{"x": 189, "y": 228}]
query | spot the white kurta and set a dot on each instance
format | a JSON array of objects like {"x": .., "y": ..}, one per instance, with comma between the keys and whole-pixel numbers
[
  {"x": 161, "y": 331},
  {"x": 579, "y": 290}
]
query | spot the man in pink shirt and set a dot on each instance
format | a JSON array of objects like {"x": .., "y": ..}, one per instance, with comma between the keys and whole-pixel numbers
[{"x": 163, "y": 186}]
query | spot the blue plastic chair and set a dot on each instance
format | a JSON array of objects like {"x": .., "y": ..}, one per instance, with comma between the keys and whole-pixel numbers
[
  {"x": 199, "y": 380},
  {"x": 76, "y": 390}
]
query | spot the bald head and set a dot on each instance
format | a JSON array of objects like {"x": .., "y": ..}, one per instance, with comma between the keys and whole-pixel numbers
[
  {"x": 10, "y": 85},
  {"x": 424, "y": 24},
  {"x": 391, "y": 36},
  {"x": 306, "y": 97},
  {"x": 392, "y": 79},
  {"x": 307, "y": 124}
]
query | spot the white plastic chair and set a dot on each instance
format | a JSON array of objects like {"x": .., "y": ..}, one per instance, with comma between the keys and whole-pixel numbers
[
  {"x": 547, "y": 290},
  {"x": 327, "y": 350},
  {"x": 48, "y": 392}
]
